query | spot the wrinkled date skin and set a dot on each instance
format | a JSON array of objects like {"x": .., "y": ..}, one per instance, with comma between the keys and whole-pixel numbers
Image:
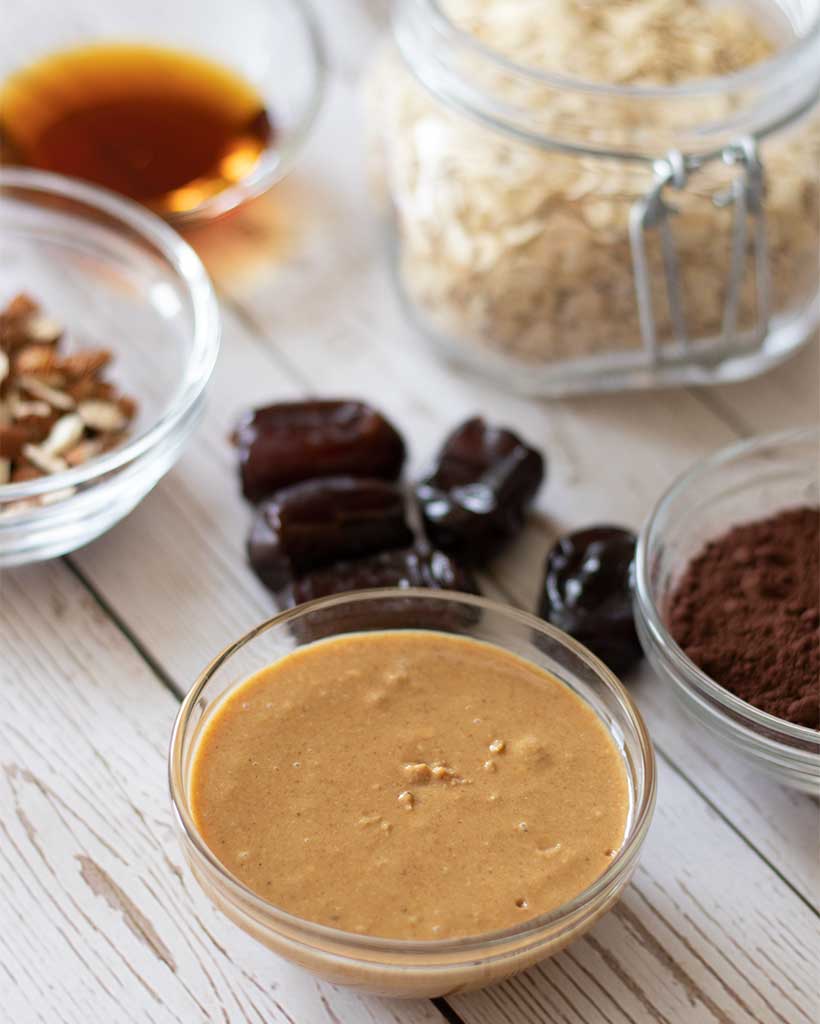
[
  {"x": 587, "y": 592},
  {"x": 477, "y": 496},
  {"x": 409, "y": 567},
  {"x": 288, "y": 442},
  {"x": 417, "y": 566},
  {"x": 317, "y": 522}
]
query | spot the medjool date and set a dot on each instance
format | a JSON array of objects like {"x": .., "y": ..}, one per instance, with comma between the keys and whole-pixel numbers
[
  {"x": 409, "y": 567},
  {"x": 288, "y": 442},
  {"x": 587, "y": 592},
  {"x": 477, "y": 496},
  {"x": 316, "y": 522}
]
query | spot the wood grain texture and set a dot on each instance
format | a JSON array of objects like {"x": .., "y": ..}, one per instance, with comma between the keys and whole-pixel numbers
[
  {"x": 99, "y": 922},
  {"x": 676, "y": 948},
  {"x": 787, "y": 397},
  {"x": 98, "y": 919}
]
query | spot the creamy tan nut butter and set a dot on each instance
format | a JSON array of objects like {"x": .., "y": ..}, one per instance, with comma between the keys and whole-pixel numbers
[{"x": 409, "y": 784}]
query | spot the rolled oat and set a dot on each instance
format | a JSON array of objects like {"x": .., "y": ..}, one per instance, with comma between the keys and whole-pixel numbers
[{"x": 526, "y": 251}]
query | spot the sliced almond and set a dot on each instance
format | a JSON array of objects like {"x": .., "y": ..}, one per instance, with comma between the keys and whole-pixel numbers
[
  {"x": 21, "y": 305},
  {"x": 37, "y": 360},
  {"x": 54, "y": 380},
  {"x": 84, "y": 389},
  {"x": 35, "y": 387},
  {"x": 127, "y": 406},
  {"x": 83, "y": 451},
  {"x": 65, "y": 434},
  {"x": 14, "y": 508},
  {"x": 111, "y": 441},
  {"x": 21, "y": 409},
  {"x": 86, "y": 362},
  {"x": 42, "y": 460},
  {"x": 102, "y": 416},
  {"x": 56, "y": 411},
  {"x": 42, "y": 329}
]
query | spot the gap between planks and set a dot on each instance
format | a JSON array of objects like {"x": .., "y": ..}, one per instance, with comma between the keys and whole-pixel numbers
[{"x": 105, "y": 606}]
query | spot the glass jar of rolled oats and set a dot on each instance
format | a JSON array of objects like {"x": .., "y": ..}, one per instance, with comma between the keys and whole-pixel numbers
[{"x": 603, "y": 194}]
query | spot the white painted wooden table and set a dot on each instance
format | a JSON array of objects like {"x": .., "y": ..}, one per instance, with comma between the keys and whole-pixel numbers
[{"x": 100, "y": 922}]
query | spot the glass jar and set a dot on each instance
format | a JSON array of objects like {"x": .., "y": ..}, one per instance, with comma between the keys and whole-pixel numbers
[{"x": 567, "y": 235}]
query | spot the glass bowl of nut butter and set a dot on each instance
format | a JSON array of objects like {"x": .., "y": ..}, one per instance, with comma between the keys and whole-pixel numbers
[
  {"x": 189, "y": 108},
  {"x": 411, "y": 792}
]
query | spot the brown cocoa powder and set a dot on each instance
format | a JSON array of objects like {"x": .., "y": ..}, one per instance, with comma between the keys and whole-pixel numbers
[{"x": 746, "y": 612}]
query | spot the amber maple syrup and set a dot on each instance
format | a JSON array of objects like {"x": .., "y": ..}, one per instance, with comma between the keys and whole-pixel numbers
[{"x": 164, "y": 127}]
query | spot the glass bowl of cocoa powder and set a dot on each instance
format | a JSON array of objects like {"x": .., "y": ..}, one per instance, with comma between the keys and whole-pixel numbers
[{"x": 727, "y": 594}]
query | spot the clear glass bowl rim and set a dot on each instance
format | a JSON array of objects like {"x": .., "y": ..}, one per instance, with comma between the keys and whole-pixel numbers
[
  {"x": 205, "y": 331},
  {"x": 266, "y": 171},
  {"x": 779, "y": 63},
  {"x": 744, "y": 716},
  {"x": 528, "y": 929}
]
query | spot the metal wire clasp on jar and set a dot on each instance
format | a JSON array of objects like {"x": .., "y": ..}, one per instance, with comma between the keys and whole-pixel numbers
[
  {"x": 745, "y": 198},
  {"x": 567, "y": 234}
]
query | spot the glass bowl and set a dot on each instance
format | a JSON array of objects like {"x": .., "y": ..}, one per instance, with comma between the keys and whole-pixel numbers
[
  {"x": 390, "y": 966},
  {"x": 116, "y": 277},
  {"x": 746, "y": 481},
  {"x": 274, "y": 45}
]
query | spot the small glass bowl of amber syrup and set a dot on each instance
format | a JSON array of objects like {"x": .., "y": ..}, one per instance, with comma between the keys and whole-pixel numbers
[{"x": 190, "y": 108}]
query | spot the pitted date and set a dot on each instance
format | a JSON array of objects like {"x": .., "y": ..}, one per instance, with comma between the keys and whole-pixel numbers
[
  {"x": 418, "y": 566},
  {"x": 410, "y": 567},
  {"x": 587, "y": 592},
  {"x": 477, "y": 496},
  {"x": 317, "y": 522},
  {"x": 288, "y": 442}
]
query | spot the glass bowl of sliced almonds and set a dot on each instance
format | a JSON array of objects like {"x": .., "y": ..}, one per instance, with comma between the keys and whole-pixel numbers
[{"x": 109, "y": 332}]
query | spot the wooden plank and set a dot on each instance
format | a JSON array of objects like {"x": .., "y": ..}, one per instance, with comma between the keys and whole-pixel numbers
[
  {"x": 677, "y": 947},
  {"x": 99, "y": 921},
  {"x": 787, "y": 397}
]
